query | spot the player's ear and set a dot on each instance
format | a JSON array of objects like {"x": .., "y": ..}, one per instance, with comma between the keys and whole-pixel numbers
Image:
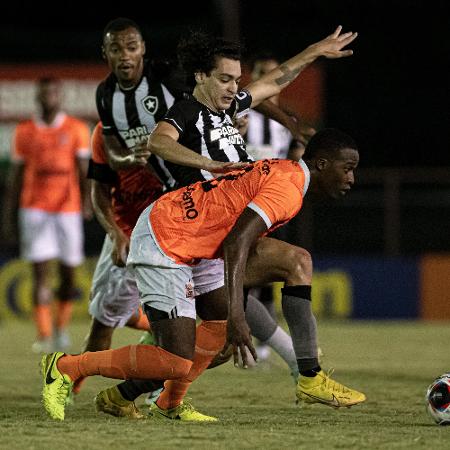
[
  {"x": 200, "y": 77},
  {"x": 321, "y": 164}
]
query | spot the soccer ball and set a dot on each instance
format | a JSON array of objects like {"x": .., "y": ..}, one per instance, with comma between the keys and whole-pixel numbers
[{"x": 437, "y": 399}]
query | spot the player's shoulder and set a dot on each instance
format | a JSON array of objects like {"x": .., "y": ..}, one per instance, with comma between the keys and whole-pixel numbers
[
  {"x": 279, "y": 165},
  {"x": 281, "y": 170},
  {"x": 76, "y": 122},
  {"x": 25, "y": 123},
  {"x": 107, "y": 84},
  {"x": 187, "y": 105},
  {"x": 25, "y": 126}
]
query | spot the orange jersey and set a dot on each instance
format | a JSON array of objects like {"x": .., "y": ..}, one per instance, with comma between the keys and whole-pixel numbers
[
  {"x": 191, "y": 223},
  {"x": 133, "y": 190},
  {"x": 49, "y": 154}
]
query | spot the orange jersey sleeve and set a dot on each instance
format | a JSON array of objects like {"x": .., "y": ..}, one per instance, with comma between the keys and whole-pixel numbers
[
  {"x": 82, "y": 137},
  {"x": 191, "y": 223},
  {"x": 131, "y": 191},
  {"x": 98, "y": 148},
  {"x": 21, "y": 137},
  {"x": 280, "y": 197}
]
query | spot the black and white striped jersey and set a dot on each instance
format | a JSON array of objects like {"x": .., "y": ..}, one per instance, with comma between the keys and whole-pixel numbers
[
  {"x": 132, "y": 114},
  {"x": 209, "y": 133}
]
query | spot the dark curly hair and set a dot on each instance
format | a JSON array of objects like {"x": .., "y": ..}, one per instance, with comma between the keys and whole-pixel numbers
[
  {"x": 328, "y": 142},
  {"x": 198, "y": 51}
]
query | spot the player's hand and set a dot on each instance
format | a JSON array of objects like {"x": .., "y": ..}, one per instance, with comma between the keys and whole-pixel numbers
[
  {"x": 221, "y": 358},
  {"x": 140, "y": 154},
  {"x": 121, "y": 247},
  {"x": 218, "y": 167},
  {"x": 332, "y": 45},
  {"x": 238, "y": 339},
  {"x": 303, "y": 133}
]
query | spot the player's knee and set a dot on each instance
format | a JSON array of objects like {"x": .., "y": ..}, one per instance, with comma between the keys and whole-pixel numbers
[{"x": 300, "y": 265}]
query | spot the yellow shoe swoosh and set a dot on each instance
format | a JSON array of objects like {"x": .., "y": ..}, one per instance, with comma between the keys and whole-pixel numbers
[
  {"x": 333, "y": 402},
  {"x": 49, "y": 378}
]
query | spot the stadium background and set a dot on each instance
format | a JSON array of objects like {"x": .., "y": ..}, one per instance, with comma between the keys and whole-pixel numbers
[{"x": 382, "y": 253}]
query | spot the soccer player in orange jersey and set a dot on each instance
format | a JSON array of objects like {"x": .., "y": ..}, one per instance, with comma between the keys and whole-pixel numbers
[
  {"x": 218, "y": 218},
  {"x": 49, "y": 164}
]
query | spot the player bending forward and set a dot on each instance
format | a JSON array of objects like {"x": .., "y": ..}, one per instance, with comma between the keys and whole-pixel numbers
[{"x": 223, "y": 217}]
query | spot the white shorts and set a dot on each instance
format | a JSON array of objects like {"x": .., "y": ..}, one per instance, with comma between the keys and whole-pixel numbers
[
  {"x": 45, "y": 236},
  {"x": 114, "y": 295},
  {"x": 164, "y": 284}
]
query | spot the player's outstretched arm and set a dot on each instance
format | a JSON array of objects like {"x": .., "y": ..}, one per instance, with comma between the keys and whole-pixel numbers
[
  {"x": 277, "y": 79},
  {"x": 163, "y": 142}
]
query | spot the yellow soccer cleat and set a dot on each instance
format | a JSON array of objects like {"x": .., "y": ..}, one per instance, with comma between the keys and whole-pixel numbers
[
  {"x": 184, "y": 412},
  {"x": 57, "y": 386},
  {"x": 322, "y": 389},
  {"x": 110, "y": 401}
]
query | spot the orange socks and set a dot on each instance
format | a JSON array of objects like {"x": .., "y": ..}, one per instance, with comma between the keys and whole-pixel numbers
[
  {"x": 43, "y": 320},
  {"x": 77, "y": 385},
  {"x": 63, "y": 314},
  {"x": 140, "y": 322},
  {"x": 142, "y": 362},
  {"x": 210, "y": 339}
]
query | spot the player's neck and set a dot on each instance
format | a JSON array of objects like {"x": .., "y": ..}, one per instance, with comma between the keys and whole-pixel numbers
[
  {"x": 127, "y": 85},
  {"x": 49, "y": 117},
  {"x": 201, "y": 98}
]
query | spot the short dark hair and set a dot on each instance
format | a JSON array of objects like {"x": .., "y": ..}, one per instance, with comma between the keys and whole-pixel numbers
[
  {"x": 328, "y": 142},
  {"x": 120, "y": 24},
  {"x": 198, "y": 51}
]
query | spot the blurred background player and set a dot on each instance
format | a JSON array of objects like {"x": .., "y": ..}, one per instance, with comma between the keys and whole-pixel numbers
[
  {"x": 48, "y": 181},
  {"x": 267, "y": 138}
]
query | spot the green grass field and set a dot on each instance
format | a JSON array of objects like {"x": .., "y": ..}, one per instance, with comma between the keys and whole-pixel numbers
[{"x": 391, "y": 362}]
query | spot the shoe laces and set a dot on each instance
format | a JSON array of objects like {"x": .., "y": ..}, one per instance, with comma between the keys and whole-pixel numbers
[
  {"x": 329, "y": 383},
  {"x": 186, "y": 406}
]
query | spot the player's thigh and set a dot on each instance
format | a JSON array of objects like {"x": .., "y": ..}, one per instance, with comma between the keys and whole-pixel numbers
[
  {"x": 114, "y": 294},
  {"x": 69, "y": 237},
  {"x": 208, "y": 277},
  {"x": 168, "y": 300},
  {"x": 37, "y": 235},
  {"x": 273, "y": 260},
  {"x": 213, "y": 305}
]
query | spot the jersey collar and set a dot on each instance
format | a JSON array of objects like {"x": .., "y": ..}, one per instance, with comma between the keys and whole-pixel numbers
[
  {"x": 307, "y": 175},
  {"x": 57, "y": 121}
]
